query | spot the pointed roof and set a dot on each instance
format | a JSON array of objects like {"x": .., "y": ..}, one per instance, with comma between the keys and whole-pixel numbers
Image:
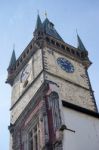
[
  {"x": 13, "y": 59},
  {"x": 38, "y": 23},
  {"x": 50, "y": 30},
  {"x": 80, "y": 44}
]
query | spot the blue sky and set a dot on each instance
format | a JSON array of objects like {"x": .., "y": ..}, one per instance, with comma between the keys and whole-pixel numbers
[{"x": 17, "y": 22}]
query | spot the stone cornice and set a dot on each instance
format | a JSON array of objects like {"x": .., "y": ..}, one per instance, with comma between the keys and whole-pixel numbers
[
  {"x": 80, "y": 109},
  {"x": 68, "y": 50},
  {"x": 71, "y": 82}
]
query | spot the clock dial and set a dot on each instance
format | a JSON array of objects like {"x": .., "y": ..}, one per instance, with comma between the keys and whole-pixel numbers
[
  {"x": 25, "y": 73},
  {"x": 65, "y": 65}
]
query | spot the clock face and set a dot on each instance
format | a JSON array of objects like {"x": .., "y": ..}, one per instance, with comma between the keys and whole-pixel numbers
[
  {"x": 25, "y": 73},
  {"x": 65, "y": 65}
]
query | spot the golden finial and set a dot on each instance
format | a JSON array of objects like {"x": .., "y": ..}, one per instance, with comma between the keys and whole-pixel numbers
[
  {"x": 45, "y": 14},
  {"x": 76, "y": 31}
]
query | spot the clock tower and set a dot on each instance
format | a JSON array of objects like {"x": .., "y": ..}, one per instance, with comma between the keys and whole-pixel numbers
[{"x": 52, "y": 101}]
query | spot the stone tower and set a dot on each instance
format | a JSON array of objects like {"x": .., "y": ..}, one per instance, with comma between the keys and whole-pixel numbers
[{"x": 52, "y": 103}]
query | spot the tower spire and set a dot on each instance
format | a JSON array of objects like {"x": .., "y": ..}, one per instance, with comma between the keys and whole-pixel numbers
[
  {"x": 80, "y": 45},
  {"x": 49, "y": 29},
  {"x": 13, "y": 59},
  {"x": 38, "y": 22}
]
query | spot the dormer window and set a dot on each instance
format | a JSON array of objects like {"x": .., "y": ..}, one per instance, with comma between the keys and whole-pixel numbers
[{"x": 50, "y": 25}]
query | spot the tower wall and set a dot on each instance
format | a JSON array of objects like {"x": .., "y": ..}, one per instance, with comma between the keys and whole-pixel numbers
[
  {"x": 21, "y": 95},
  {"x": 78, "y": 76}
]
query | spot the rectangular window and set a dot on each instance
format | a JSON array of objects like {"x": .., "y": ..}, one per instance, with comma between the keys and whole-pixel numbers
[{"x": 33, "y": 138}]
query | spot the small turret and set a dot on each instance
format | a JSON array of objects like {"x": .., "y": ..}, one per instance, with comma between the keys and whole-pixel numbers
[
  {"x": 38, "y": 28},
  {"x": 38, "y": 23},
  {"x": 84, "y": 52},
  {"x": 11, "y": 68},
  {"x": 80, "y": 45},
  {"x": 12, "y": 61}
]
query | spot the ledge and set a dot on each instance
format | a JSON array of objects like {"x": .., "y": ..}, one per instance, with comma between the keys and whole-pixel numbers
[{"x": 80, "y": 109}]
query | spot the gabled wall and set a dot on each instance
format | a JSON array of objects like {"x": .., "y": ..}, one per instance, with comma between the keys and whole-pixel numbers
[{"x": 86, "y": 136}]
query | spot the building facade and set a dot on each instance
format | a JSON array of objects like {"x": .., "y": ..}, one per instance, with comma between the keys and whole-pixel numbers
[{"x": 52, "y": 102}]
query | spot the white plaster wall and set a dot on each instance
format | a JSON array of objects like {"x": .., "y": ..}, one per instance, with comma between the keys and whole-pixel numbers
[
  {"x": 86, "y": 136},
  {"x": 78, "y": 76},
  {"x": 28, "y": 95},
  {"x": 72, "y": 93}
]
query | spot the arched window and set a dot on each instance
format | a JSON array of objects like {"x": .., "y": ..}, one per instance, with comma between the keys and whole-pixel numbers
[{"x": 53, "y": 101}]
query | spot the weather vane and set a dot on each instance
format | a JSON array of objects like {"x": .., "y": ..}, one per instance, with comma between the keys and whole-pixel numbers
[{"x": 76, "y": 31}]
